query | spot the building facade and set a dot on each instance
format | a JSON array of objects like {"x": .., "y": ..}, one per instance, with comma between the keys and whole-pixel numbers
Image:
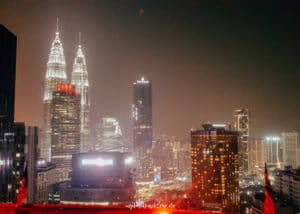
[
  {"x": 256, "y": 155},
  {"x": 31, "y": 157},
  {"x": 65, "y": 128},
  {"x": 12, "y": 159},
  {"x": 290, "y": 149},
  {"x": 100, "y": 178},
  {"x": 215, "y": 184},
  {"x": 55, "y": 74},
  {"x": 272, "y": 151},
  {"x": 142, "y": 128},
  {"x": 109, "y": 136},
  {"x": 287, "y": 184},
  {"x": 242, "y": 125},
  {"x": 81, "y": 82}
]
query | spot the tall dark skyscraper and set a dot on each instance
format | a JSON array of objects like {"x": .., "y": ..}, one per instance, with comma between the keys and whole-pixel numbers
[
  {"x": 142, "y": 128},
  {"x": 12, "y": 136},
  {"x": 215, "y": 168},
  {"x": 8, "y": 48},
  {"x": 142, "y": 113}
]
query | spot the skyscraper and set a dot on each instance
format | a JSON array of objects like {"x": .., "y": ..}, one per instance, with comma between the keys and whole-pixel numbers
[
  {"x": 8, "y": 48},
  {"x": 215, "y": 168},
  {"x": 290, "y": 149},
  {"x": 12, "y": 138},
  {"x": 81, "y": 82},
  {"x": 55, "y": 73},
  {"x": 272, "y": 145},
  {"x": 65, "y": 128},
  {"x": 109, "y": 136},
  {"x": 242, "y": 125},
  {"x": 142, "y": 128},
  {"x": 256, "y": 156}
]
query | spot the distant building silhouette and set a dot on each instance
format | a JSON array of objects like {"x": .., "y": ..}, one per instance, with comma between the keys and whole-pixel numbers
[
  {"x": 290, "y": 149},
  {"x": 109, "y": 136}
]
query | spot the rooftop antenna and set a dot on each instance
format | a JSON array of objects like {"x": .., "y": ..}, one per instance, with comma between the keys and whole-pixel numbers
[
  {"x": 56, "y": 24},
  {"x": 79, "y": 38}
]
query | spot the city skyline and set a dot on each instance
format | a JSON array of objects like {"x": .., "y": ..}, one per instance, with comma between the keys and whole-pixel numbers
[
  {"x": 194, "y": 66},
  {"x": 263, "y": 69}
]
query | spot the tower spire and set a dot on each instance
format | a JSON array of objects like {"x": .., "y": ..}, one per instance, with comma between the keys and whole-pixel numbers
[
  {"x": 57, "y": 25},
  {"x": 79, "y": 39}
]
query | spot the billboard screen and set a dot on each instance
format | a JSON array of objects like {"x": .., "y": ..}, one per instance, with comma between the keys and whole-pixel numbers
[{"x": 101, "y": 169}]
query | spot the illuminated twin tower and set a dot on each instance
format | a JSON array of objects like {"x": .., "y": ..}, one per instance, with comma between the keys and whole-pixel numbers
[{"x": 56, "y": 74}]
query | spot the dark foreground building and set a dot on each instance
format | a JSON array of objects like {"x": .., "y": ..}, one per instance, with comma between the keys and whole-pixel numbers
[
  {"x": 12, "y": 136},
  {"x": 8, "y": 48},
  {"x": 101, "y": 178},
  {"x": 12, "y": 159},
  {"x": 215, "y": 168}
]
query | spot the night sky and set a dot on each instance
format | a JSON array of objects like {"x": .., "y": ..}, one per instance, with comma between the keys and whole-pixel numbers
[{"x": 204, "y": 59}]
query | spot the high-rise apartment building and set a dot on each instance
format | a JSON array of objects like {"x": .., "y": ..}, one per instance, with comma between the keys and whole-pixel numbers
[
  {"x": 286, "y": 184},
  {"x": 109, "y": 136},
  {"x": 142, "y": 128},
  {"x": 242, "y": 125},
  {"x": 272, "y": 150},
  {"x": 256, "y": 155},
  {"x": 215, "y": 184},
  {"x": 65, "y": 127},
  {"x": 55, "y": 73},
  {"x": 290, "y": 149},
  {"x": 81, "y": 82}
]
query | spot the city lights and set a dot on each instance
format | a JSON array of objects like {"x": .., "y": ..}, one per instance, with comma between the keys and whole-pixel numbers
[
  {"x": 121, "y": 112},
  {"x": 128, "y": 160},
  {"x": 219, "y": 125},
  {"x": 272, "y": 138},
  {"x": 41, "y": 162},
  {"x": 143, "y": 81}
]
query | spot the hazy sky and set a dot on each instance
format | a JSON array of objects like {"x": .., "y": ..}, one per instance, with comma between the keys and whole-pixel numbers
[{"x": 204, "y": 60}]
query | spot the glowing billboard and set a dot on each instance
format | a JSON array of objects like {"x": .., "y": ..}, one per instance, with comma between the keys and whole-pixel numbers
[{"x": 97, "y": 161}]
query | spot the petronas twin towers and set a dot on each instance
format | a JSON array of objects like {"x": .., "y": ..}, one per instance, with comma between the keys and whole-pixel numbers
[{"x": 55, "y": 74}]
